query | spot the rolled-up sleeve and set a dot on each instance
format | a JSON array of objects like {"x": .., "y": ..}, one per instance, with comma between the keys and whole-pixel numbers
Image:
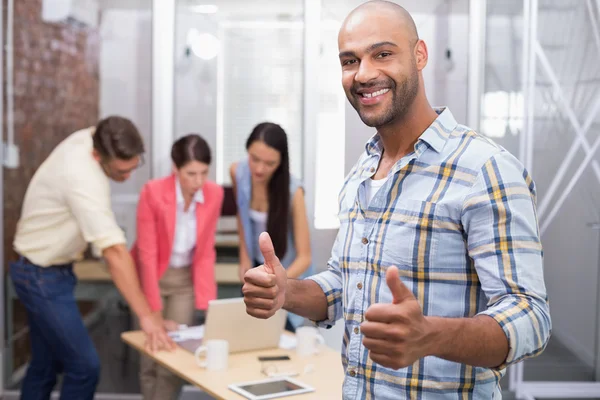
[
  {"x": 89, "y": 201},
  {"x": 331, "y": 283},
  {"x": 501, "y": 225}
]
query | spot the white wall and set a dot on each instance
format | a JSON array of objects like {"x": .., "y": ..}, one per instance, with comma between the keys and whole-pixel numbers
[
  {"x": 195, "y": 84},
  {"x": 125, "y": 90}
]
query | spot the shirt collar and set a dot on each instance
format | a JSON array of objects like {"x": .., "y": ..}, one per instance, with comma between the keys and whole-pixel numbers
[
  {"x": 198, "y": 196},
  {"x": 435, "y": 136},
  {"x": 439, "y": 131}
]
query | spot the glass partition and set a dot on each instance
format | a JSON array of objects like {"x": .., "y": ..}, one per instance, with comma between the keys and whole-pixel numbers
[{"x": 541, "y": 102}]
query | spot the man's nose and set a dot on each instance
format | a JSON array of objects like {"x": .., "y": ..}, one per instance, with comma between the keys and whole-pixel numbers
[{"x": 366, "y": 72}]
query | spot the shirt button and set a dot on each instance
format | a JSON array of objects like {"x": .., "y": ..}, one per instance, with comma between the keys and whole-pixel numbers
[
  {"x": 372, "y": 169},
  {"x": 356, "y": 330},
  {"x": 359, "y": 285},
  {"x": 352, "y": 373},
  {"x": 365, "y": 240}
]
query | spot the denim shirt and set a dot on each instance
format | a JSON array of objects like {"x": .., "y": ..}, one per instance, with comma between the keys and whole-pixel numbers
[{"x": 243, "y": 198}]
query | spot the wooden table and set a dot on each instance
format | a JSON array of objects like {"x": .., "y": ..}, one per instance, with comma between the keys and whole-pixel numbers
[
  {"x": 92, "y": 271},
  {"x": 326, "y": 376},
  {"x": 97, "y": 271}
]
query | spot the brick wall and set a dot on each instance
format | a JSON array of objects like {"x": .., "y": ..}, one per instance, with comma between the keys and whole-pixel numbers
[{"x": 56, "y": 93}]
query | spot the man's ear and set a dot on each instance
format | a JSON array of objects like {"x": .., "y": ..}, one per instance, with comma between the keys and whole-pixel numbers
[
  {"x": 421, "y": 54},
  {"x": 96, "y": 155}
]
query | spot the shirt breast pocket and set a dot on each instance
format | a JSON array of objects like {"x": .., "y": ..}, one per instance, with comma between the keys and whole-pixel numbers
[{"x": 411, "y": 233}]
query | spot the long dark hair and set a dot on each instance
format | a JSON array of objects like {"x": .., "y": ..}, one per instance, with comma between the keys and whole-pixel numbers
[{"x": 278, "y": 216}]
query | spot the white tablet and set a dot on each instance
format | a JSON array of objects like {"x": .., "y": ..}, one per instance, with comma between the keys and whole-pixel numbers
[{"x": 270, "y": 388}]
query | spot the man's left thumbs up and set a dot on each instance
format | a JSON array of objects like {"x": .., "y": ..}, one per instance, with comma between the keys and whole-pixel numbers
[
  {"x": 399, "y": 290},
  {"x": 396, "y": 334}
]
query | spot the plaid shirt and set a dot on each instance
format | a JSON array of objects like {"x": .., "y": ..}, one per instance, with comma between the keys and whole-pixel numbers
[{"x": 457, "y": 217}]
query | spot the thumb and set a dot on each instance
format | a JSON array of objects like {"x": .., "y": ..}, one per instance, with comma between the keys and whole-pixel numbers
[
  {"x": 268, "y": 252},
  {"x": 399, "y": 290}
]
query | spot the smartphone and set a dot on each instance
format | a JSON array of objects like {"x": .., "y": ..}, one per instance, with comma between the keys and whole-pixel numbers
[{"x": 273, "y": 358}]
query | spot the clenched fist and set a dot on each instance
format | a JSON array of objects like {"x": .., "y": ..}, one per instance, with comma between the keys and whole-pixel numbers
[
  {"x": 264, "y": 287},
  {"x": 397, "y": 334}
]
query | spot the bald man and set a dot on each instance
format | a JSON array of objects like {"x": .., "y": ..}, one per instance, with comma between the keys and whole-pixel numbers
[{"x": 437, "y": 266}]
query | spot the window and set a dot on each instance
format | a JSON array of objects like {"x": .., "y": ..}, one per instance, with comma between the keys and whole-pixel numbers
[
  {"x": 502, "y": 112},
  {"x": 260, "y": 79}
]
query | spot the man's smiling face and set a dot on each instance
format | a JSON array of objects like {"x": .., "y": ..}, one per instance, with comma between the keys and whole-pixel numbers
[{"x": 379, "y": 71}]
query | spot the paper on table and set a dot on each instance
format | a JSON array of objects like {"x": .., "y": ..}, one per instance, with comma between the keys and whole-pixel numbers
[
  {"x": 287, "y": 342},
  {"x": 193, "y": 332}
]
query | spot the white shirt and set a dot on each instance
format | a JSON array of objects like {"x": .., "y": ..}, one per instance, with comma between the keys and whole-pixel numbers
[
  {"x": 184, "y": 242},
  {"x": 372, "y": 187},
  {"x": 67, "y": 205},
  {"x": 259, "y": 225}
]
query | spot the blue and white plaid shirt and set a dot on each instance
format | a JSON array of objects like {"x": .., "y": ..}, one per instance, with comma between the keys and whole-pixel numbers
[{"x": 457, "y": 217}]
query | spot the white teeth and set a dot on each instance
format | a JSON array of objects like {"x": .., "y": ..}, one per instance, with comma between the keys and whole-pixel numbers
[{"x": 374, "y": 94}]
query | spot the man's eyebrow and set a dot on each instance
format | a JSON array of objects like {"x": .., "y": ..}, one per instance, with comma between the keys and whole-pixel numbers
[
  {"x": 369, "y": 49},
  {"x": 380, "y": 44},
  {"x": 347, "y": 54}
]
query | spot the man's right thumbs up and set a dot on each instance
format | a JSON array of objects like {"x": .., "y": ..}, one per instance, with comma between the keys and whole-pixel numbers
[
  {"x": 264, "y": 287},
  {"x": 268, "y": 251}
]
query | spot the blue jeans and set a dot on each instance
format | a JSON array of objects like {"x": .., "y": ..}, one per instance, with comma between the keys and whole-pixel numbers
[{"x": 60, "y": 342}]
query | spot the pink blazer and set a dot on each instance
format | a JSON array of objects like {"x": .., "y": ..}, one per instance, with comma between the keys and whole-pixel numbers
[{"x": 156, "y": 216}]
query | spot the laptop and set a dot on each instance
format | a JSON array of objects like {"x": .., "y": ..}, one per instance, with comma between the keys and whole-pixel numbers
[{"x": 227, "y": 319}]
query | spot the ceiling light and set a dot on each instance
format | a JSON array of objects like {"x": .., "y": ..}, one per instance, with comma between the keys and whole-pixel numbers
[{"x": 203, "y": 45}]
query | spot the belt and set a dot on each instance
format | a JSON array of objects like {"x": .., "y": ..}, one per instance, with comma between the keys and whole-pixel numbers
[{"x": 28, "y": 261}]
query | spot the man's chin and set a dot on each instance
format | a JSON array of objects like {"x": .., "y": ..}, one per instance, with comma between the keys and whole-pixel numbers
[
  {"x": 373, "y": 121},
  {"x": 370, "y": 117}
]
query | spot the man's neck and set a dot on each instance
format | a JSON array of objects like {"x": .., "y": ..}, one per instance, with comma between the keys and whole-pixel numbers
[{"x": 399, "y": 137}]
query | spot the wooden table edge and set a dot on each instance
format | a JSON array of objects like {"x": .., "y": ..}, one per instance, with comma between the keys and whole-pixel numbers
[{"x": 143, "y": 353}]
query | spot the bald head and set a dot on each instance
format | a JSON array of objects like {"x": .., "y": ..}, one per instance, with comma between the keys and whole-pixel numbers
[
  {"x": 382, "y": 59},
  {"x": 377, "y": 9}
]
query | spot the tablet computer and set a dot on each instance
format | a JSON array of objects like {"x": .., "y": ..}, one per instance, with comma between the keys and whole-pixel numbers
[{"x": 270, "y": 388}]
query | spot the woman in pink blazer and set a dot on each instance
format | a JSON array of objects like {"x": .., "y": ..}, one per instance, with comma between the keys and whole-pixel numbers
[{"x": 175, "y": 249}]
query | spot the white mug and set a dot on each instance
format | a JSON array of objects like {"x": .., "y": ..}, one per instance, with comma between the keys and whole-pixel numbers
[
  {"x": 217, "y": 354},
  {"x": 308, "y": 340}
]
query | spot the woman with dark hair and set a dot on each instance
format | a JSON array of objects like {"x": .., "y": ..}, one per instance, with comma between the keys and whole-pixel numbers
[
  {"x": 270, "y": 200},
  {"x": 175, "y": 250}
]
